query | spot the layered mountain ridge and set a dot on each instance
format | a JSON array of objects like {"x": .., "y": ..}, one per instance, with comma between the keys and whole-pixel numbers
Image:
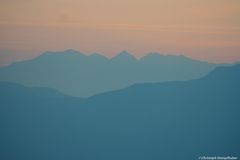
[{"x": 76, "y": 74}]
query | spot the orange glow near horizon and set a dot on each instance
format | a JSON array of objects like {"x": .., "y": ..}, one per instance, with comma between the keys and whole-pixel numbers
[{"x": 201, "y": 29}]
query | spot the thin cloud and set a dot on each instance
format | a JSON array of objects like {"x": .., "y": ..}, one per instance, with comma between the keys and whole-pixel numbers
[{"x": 131, "y": 27}]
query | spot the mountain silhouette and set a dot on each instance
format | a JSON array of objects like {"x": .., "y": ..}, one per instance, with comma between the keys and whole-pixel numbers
[
  {"x": 124, "y": 57},
  {"x": 170, "y": 120},
  {"x": 76, "y": 74}
]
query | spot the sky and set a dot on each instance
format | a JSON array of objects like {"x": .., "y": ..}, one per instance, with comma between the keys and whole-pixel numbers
[{"x": 202, "y": 29}]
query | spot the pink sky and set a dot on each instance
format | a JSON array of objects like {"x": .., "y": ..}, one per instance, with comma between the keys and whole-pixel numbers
[{"x": 202, "y": 29}]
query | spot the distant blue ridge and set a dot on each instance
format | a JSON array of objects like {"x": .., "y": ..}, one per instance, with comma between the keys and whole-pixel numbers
[{"x": 76, "y": 74}]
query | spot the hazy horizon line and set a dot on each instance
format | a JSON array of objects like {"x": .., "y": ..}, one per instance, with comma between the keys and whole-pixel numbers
[{"x": 135, "y": 56}]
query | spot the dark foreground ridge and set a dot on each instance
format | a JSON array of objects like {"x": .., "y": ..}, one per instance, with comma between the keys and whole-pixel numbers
[{"x": 172, "y": 120}]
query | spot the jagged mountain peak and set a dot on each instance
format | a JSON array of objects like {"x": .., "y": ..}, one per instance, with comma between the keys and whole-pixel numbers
[
  {"x": 98, "y": 56},
  {"x": 124, "y": 55}
]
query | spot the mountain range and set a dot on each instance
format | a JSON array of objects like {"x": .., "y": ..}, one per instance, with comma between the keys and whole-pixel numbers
[
  {"x": 76, "y": 74},
  {"x": 171, "y": 120}
]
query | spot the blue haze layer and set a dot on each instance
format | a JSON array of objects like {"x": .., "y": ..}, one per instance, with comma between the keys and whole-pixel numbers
[{"x": 76, "y": 74}]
